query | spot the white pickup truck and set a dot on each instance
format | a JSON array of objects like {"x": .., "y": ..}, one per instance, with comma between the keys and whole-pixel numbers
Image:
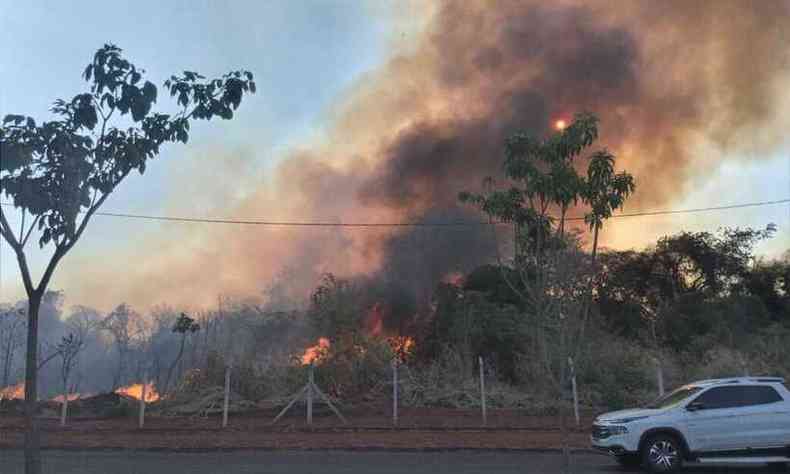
[{"x": 735, "y": 420}]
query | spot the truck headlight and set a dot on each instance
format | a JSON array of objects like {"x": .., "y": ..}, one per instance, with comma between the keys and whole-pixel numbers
[
  {"x": 617, "y": 430},
  {"x": 629, "y": 420}
]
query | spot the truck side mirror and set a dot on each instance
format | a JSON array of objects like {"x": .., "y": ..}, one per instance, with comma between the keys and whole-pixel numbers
[{"x": 694, "y": 406}]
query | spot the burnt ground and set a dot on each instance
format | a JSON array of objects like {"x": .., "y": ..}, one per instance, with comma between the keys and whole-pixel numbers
[{"x": 419, "y": 429}]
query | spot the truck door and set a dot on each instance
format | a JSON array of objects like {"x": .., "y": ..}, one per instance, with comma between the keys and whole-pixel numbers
[
  {"x": 712, "y": 425},
  {"x": 764, "y": 417}
]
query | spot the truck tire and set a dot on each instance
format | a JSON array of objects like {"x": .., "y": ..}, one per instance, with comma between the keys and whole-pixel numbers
[{"x": 662, "y": 453}]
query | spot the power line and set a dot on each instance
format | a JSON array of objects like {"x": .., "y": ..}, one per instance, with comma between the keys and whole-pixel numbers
[{"x": 408, "y": 224}]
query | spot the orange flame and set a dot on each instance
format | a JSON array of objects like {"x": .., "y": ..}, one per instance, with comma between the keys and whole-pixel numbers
[
  {"x": 136, "y": 391},
  {"x": 72, "y": 397},
  {"x": 402, "y": 346},
  {"x": 317, "y": 352},
  {"x": 375, "y": 320},
  {"x": 13, "y": 392}
]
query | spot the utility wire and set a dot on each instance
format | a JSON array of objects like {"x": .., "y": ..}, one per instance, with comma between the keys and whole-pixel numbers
[{"x": 409, "y": 224}]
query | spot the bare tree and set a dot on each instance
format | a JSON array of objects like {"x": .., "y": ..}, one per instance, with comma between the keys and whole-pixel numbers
[
  {"x": 117, "y": 324},
  {"x": 12, "y": 329},
  {"x": 68, "y": 350},
  {"x": 184, "y": 326}
]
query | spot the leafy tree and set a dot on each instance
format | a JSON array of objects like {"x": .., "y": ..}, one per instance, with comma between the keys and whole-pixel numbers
[
  {"x": 770, "y": 282},
  {"x": 553, "y": 281},
  {"x": 489, "y": 280},
  {"x": 59, "y": 173},
  {"x": 604, "y": 191},
  {"x": 543, "y": 175},
  {"x": 473, "y": 323},
  {"x": 544, "y": 178},
  {"x": 705, "y": 262},
  {"x": 677, "y": 287}
]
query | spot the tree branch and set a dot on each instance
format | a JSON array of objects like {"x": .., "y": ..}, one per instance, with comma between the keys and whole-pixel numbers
[
  {"x": 8, "y": 235},
  {"x": 22, "y": 225},
  {"x": 29, "y": 231},
  {"x": 49, "y": 358}
]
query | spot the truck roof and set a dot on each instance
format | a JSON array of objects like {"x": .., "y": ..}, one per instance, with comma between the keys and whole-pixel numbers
[{"x": 738, "y": 380}]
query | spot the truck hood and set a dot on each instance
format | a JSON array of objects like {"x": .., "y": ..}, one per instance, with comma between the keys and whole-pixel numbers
[{"x": 627, "y": 414}]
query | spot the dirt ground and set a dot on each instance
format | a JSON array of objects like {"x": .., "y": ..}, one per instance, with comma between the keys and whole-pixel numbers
[{"x": 418, "y": 429}]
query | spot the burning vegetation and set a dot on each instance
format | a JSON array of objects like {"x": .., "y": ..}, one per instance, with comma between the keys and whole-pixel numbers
[
  {"x": 136, "y": 391},
  {"x": 314, "y": 354},
  {"x": 71, "y": 397},
  {"x": 13, "y": 392}
]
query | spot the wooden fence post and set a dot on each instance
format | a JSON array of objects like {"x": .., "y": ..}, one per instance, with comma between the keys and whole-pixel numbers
[
  {"x": 226, "y": 400},
  {"x": 395, "y": 392},
  {"x": 310, "y": 384},
  {"x": 575, "y": 392},
  {"x": 64, "y": 408},
  {"x": 141, "y": 415},
  {"x": 483, "y": 390}
]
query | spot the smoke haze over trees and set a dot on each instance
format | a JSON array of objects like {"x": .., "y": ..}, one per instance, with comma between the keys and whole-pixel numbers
[{"x": 674, "y": 84}]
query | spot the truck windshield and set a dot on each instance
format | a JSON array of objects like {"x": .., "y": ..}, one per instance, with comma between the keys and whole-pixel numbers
[{"x": 673, "y": 398}]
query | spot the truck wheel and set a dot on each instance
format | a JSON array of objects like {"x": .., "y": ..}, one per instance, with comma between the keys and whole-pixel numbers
[{"x": 662, "y": 453}]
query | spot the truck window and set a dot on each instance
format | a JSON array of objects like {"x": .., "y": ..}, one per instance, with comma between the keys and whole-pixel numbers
[
  {"x": 721, "y": 397},
  {"x": 675, "y": 397},
  {"x": 738, "y": 396},
  {"x": 760, "y": 395}
]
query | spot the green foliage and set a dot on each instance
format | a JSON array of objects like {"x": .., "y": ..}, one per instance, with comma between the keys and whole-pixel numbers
[
  {"x": 471, "y": 324},
  {"x": 488, "y": 279},
  {"x": 604, "y": 191},
  {"x": 544, "y": 174},
  {"x": 336, "y": 308},
  {"x": 691, "y": 285}
]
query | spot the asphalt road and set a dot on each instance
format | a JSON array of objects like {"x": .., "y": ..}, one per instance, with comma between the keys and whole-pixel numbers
[{"x": 320, "y": 462}]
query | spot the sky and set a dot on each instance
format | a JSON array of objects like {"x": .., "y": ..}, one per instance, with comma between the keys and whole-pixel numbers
[{"x": 306, "y": 55}]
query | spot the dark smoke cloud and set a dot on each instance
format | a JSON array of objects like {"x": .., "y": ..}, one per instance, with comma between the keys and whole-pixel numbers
[{"x": 666, "y": 78}]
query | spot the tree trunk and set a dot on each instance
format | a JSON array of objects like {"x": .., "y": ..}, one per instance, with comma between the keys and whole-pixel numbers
[
  {"x": 566, "y": 452},
  {"x": 64, "y": 407},
  {"x": 8, "y": 361},
  {"x": 32, "y": 438},
  {"x": 595, "y": 243},
  {"x": 588, "y": 298},
  {"x": 119, "y": 382},
  {"x": 174, "y": 364}
]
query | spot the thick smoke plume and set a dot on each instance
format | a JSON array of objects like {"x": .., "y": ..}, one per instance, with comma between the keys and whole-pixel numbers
[{"x": 677, "y": 85}]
